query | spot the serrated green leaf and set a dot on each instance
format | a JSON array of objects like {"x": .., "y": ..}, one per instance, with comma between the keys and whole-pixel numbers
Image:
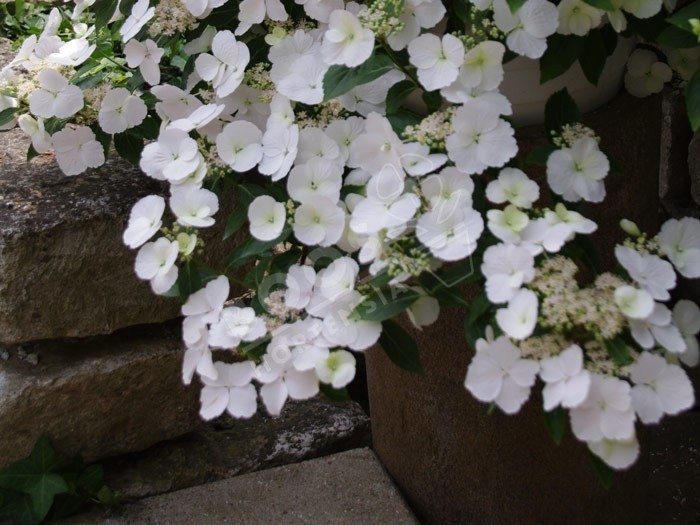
[
  {"x": 556, "y": 420},
  {"x": 253, "y": 248},
  {"x": 188, "y": 280},
  {"x": 433, "y": 100},
  {"x": 282, "y": 261},
  {"x": 401, "y": 119},
  {"x": 692, "y": 100},
  {"x": 400, "y": 347},
  {"x": 397, "y": 94},
  {"x": 562, "y": 51},
  {"x": 129, "y": 147},
  {"x": 384, "y": 304},
  {"x": 560, "y": 109},
  {"x": 593, "y": 56},
  {"x": 43, "y": 491},
  {"x": 341, "y": 79},
  {"x": 541, "y": 153},
  {"x": 618, "y": 351},
  {"x": 104, "y": 9},
  {"x": 681, "y": 17},
  {"x": 676, "y": 38},
  {"x": 237, "y": 219}
]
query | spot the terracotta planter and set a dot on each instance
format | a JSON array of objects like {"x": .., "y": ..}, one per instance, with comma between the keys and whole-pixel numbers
[{"x": 457, "y": 464}]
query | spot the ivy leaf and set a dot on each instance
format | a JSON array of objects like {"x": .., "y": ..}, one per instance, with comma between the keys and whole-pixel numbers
[
  {"x": 381, "y": 305},
  {"x": 562, "y": 51},
  {"x": 400, "y": 347},
  {"x": 593, "y": 56},
  {"x": 341, "y": 79},
  {"x": 692, "y": 100},
  {"x": 43, "y": 491},
  {"x": 556, "y": 423},
  {"x": 559, "y": 110},
  {"x": 20, "y": 508}
]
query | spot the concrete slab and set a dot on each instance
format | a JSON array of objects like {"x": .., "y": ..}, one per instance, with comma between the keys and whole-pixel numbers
[{"x": 343, "y": 489}]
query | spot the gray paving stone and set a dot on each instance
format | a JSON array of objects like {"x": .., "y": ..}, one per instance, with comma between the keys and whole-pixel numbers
[{"x": 343, "y": 489}]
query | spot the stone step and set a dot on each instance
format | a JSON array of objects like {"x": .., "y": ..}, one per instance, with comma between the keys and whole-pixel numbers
[
  {"x": 346, "y": 488},
  {"x": 99, "y": 397},
  {"x": 228, "y": 447}
]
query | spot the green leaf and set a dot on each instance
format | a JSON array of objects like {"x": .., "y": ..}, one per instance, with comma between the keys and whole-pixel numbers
[
  {"x": 514, "y": 5},
  {"x": 593, "y": 56},
  {"x": 385, "y": 304},
  {"x": 6, "y": 115},
  {"x": 341, "y": 79},
  {"x": 44, "y": 457},
  {"x": 602, "y": 470},
  {"x": 541, "y": 153},
  {"x": 188, "y": 280},
  {"x": 104, "y": 9},
  {"x": 397, "y": 94},
  {"x": 43, "y": 491},
  {"x": 335, "y": 394},
  {"x": 129, "y": 147},
  {"x": 692, "y": 100},
  {"x": 253, "y": 248},
  {"x": 433, "y": 100},
  {"x": 562, "y": 51},
  {"x": 681, "y": 17},
  {"x": 605, "y": 5},
  {"x": 618, "y": 350},
  {"x": 556, "y": 423},
  {"x": 381, "y": 279},
  {"x": 21, "y": 510},
  {"x": 559, "y": 110},
  {"x": 103, "y": 138},
  {"x": 480, "y": 305},
  {"x": 676, "y": 38},
  {"x": 237, "y": 219},
  {"x": 282, "y": 262},
  {"x": 400, "y": 347}
]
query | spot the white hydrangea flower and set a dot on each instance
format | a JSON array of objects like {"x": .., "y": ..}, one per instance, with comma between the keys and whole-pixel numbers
[
  {"x": 345, "y": 41},
  {"x": 425, "y": 311},
  {"x": 77, "y": 150},
  {"x": 225, "y": 67},
  {"x": 175, "y": 103},
  {"x": 567, "y": 381},
  {"x": 240, "y": 145},
  {"x": 141, "y": 13},
  {"x": 573, "y": 220},
  {"x": 338, "y": 369},
  {"x": 173, "y": 157},
  {"x": 450, "y": 236},
  {"x": 507, "y": 224},
  {"x": 206, "y": 304},
  {"x": 194, "y": 206},
  {"x": 513, "y": 186},
  {"x": 155, "y": 262},
  {"x": 499, "y": 374},
  {"x": 657, "y": 328},
  {"x": 686, "y": 316},
  {"x": 320, "y": 10},
  {"x": 314, "y": 143},
  {"x": 144, "y": 220},
  {"x": 651, "y": 272},
  {"x": 344, "y": 132},
  {"x": 506, "y": 268},
  {"x": 202, "y": 8},
  {"x": 527, "y": 28},
  {"x": 231, "y": 391},
  {"x": 619, "y": 454},
  {"x": 377, "y": 148},
  {"x": 448, "y": 189},
  {"x": 235, "y": 325},
  {"x": 519, "y": 318},
  {"x": 633, "y": 302},
  {"x": 606, "y": 413},
  {"x": 541, "y": 236},
  {"x": 34, "y": 128},
  {"x": 304, "y": 82},
  {"x": 481, "y": 139},
  {"x": 72, "y": 53},
  {"x": 198, "y": 357},
  {"x": 319, "y": 221},
  {"x": 646, "y": 74},
  {"x": 659, "y": 388},
  {"x": 576, "y": 17},
  {"x": 483, "y": 66},
  {"x": 418, "y": 161},
  {"x": 317, "y": 177},
  {"x": 146, "y": 56},
  {"x": 371, "y": 97},
  {"x": 299, "y": 282},
  {"x": 680, "y": 241},
  {"x": 267, "y": 218},
  {"x": 340, "y": 330},
  {"x": 437, "y": 60},
  {"x": 254, "y": 12},
  {"x": 55, "y": 97},
  {"x": 121, "y": 110},
  {"x": 685, "y": 62},
  {"x": 577, "y": 172},
  {"x": 279, "y": 151}
]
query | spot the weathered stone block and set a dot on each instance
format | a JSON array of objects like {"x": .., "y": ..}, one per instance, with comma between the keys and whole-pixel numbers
[{"x": 98, "y": 397}]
